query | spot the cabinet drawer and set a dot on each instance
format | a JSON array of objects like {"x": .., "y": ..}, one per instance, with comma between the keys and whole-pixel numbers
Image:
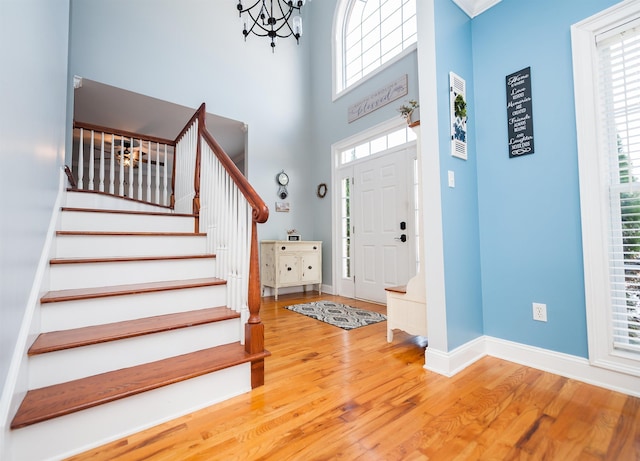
[{"x": 298, "y": 247}]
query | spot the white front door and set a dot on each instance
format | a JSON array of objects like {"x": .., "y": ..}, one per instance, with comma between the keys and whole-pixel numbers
[{"x": 382, "y": 215}]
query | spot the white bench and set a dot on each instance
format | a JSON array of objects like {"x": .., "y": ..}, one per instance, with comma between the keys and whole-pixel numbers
[{"x": 407, "y": 308}]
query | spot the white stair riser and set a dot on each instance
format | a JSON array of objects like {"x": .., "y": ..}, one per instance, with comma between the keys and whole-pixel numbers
[
  {"x": 80, "y": 362},
  {"x": 94, "y": 246},
  {"x": 97, "y": 311},
  {"x": 84, "y": 200},
  {"x": 88, "y": 275},
  {"x": 119, "y": 222},
  {"x": 78, "y": 432}
]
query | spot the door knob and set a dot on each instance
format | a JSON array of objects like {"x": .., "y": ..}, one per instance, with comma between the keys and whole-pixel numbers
[
  {"x": 403, "y": 225},
  {"x": 402, "y": 238}
]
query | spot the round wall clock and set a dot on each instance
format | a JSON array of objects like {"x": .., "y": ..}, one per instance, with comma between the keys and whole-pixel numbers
[{"x": 283, "y": 178}]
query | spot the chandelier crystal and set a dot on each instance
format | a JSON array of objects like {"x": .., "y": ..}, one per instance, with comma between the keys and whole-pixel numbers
[{"x": 272, "y": 18}]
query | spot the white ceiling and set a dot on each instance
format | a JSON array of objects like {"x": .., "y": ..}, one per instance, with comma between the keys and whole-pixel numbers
[{"x": 111, "y": 107}]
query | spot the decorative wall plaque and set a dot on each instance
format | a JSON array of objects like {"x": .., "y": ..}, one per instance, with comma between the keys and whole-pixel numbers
[
  {"x": 519, "y": 113},
  {"x": 382, "y": 97}
]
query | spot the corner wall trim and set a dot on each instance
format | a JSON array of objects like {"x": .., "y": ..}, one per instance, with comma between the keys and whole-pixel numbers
[
  {"x": 569, "y": 366},
  {"x": 452, "y": 363}
]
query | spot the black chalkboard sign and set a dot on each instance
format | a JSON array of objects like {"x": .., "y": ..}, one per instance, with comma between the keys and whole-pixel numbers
[{"x": 519, "y": 113}]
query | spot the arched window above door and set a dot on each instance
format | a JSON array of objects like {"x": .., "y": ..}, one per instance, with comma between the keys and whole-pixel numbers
[{"x": 368, "y": 35}]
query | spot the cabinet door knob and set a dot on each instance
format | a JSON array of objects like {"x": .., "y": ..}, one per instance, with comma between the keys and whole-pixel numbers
[
  {"x": 288, "y": 268},
  {"x": 309, "y": 267},
  {"x": 284, "y": 248},
  {"x": 315, "y": 248}
]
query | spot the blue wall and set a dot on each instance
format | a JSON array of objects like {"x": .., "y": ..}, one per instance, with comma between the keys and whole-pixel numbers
[
  {"x": 530, "y": 235},
  {"x": 459, "y": 204}
]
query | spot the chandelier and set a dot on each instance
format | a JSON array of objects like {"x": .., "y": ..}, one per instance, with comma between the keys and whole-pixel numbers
[
  {"x": 127, "y": 158},
  {"x": 270, "y": 18}
]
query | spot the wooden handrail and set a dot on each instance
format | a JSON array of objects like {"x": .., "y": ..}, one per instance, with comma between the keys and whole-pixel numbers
[
  {"x": 70, "y": 177},
  {"x": 254, "y": 329},
  {"x": 126, "y": 134},
  {"x": 201, "y": 110}
]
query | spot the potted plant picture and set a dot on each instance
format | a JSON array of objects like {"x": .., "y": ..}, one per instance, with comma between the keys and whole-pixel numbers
[{"x": 406, "y": 110}]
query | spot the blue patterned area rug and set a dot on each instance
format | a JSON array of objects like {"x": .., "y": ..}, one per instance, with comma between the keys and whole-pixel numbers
[{"x": 339, "y": 315}]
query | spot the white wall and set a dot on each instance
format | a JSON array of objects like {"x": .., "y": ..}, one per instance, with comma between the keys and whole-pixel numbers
[
  {"x": 33, "y": 89},
  {"x": 192, "y": 51}
]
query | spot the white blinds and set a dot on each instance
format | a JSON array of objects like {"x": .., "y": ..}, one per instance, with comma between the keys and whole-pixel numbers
[{"x": 619, "y": 77}]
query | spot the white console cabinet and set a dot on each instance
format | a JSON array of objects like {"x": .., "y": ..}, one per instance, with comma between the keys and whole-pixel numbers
[{"x": 286, "y": 263}]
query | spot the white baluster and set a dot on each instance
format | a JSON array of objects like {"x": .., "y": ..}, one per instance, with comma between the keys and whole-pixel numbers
[
  {"x": 101, "y": 183},
  {"x": 121, "y": 185},
  {"x": 140, "y": 170},
  {"x": 157, "y": 200},
  {"x": 81, "y": 161},
  {"x": 112, "y": 167},
  {"x": 149, "y": 173},
  {"x": 165, "y": 195},
  {"x": 131, "y": 168},
  {"x": 91, "y": 162}
]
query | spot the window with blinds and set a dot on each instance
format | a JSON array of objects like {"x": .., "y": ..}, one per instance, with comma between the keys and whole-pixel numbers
[{"x": 618, "y": 54}]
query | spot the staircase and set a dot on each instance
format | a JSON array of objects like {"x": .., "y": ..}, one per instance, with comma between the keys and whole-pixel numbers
[{"x": 133, "y": 332}]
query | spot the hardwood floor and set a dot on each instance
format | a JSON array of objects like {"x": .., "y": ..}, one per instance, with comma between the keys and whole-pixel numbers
[{"x": 335, "y": 394}]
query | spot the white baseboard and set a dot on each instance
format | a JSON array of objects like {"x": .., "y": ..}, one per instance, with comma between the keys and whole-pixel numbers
[
  {"x": 16, "y": 384},
  {"x": 451, "y": 363},
  {"x": 569, "y": 366},
  {"x": 268, "y": 291}
]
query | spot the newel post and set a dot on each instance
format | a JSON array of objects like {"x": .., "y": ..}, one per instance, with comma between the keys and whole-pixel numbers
[
  {"x": 254, "y": 329},
  {"x": 196, "y": 177}
]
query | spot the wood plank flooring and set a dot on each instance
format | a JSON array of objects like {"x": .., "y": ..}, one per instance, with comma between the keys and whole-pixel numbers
[{"x": 334, "y": 394}]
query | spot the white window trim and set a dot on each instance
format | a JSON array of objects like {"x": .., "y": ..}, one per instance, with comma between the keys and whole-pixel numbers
[
  {"x": 337, "y": 52},
  {"x": 592, "y": 176}
]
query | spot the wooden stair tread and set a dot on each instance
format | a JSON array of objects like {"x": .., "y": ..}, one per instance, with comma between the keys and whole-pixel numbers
[
  {"x": 130, "y": 212},
  {"x": 62, "y": 399},
  {"x": 78, "y": 337},
  {"x": 398, "y": 289},
  {"x": 135, "y": 288},
  {"x": 131, "y": 234},
  {"x": 128, "y": 259}
]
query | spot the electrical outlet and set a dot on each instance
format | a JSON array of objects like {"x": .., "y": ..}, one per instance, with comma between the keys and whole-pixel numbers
[{"x": 540, "y": 312}]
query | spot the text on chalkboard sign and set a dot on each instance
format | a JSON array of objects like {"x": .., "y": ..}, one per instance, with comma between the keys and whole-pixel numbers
[{"x": 519, "y": 113}]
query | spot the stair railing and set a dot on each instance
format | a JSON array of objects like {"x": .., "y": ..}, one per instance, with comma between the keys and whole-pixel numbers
[
  {"x": 228, "y": 209},
  {"x": 122, "y": 163},
  {"x": 204, "y": 182}
]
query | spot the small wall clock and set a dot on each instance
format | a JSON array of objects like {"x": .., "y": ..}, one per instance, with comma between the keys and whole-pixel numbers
[{"x": 282, "y": 179}]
